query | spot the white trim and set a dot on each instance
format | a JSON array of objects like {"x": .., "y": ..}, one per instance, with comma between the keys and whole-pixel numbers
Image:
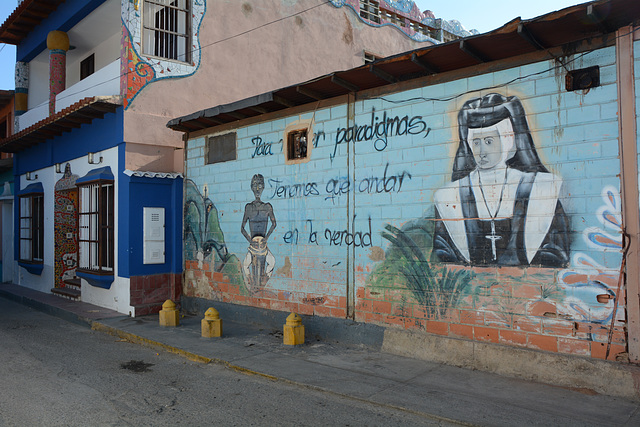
[{"x": 171, "y": 175}]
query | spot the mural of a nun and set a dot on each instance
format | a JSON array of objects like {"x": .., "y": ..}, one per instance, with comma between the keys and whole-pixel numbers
[{"x": 502, "y": 206}]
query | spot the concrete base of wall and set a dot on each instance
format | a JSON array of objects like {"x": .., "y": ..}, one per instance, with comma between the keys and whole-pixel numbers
[
  {"x": 581, "y": 373},
  {"x": 610, "y": 378}
]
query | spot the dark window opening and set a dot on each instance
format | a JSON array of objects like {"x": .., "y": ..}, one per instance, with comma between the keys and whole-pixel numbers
[
  {"x": 87, "y": 66},
  {"x": 221, "y": 148},
  {"x": 297, "y": 144},
  {"x": 32, "y": 228}
]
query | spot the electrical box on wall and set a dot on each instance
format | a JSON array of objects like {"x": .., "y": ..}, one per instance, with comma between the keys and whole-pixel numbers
[{"x": 153, "y": 229}]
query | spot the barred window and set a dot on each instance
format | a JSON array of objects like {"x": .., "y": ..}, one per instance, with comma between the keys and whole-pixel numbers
[
  {"x": 95, "y": 227},
  {"x": 32, "y": 228},
  {"x": 167, "y": 29}
]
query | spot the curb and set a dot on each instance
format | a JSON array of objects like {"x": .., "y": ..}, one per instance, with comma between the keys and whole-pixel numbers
[{"x": 136, "y": 339}]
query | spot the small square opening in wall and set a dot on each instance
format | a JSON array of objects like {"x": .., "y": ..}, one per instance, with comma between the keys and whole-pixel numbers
[
  {"x": 297, "y": 144},
  {"x": 583, "y": 79},
  {"x": 221, "y": 148}
]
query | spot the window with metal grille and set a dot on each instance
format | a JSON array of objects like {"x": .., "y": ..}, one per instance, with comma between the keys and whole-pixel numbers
[
  {"x": 166, "y": 28},
  {"x": 95, "y": 227},
  {"x": 32, "y": 228},
  {"x": 370, "y": 9}
]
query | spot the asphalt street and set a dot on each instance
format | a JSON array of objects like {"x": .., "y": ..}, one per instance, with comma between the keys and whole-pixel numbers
[{"x": 57, "y": 373}]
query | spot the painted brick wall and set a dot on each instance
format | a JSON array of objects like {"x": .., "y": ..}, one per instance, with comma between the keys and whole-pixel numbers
[{"x": 371, "y": 215}]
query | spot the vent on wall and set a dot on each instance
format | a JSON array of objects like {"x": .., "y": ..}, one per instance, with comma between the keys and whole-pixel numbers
[{"x": 583, "y": 79}]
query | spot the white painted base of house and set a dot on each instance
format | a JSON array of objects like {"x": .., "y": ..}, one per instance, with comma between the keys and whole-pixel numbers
[{"x": 116, "y": 298}]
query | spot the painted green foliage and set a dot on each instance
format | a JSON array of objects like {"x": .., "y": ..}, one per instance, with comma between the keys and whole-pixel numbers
[
  {"x": 407, "y": 264},
  {"x": 203, "y": 236}
]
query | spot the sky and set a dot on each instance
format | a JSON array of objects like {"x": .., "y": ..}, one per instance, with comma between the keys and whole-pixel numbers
[
  {"x": 482, "y": 15},
  {"x": 487, "y": 15}
]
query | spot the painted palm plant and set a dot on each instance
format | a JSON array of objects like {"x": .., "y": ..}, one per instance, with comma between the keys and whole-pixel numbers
[{"x": 436, "y": 288}]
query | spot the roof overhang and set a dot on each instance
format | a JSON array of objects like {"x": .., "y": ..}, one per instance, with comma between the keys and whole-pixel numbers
[
  {"x": 25, "y": 18},
  {"x": 6, "y": 96},
  {"x": 72, "y": 117},
  {"x": 564, "y": 29}
]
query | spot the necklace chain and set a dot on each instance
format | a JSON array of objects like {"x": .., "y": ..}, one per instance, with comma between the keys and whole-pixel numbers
[{"x": 484, "y": 199}]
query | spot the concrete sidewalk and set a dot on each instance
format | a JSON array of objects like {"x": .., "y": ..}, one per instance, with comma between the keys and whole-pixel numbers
[{"x": 452, "y": 395}]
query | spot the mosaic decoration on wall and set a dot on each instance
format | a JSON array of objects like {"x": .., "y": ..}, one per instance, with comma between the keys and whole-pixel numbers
[
  {"x": 138, "y": 70},
  {"x": 66, "y": 226},
  {"x": 405, "y": 9}
]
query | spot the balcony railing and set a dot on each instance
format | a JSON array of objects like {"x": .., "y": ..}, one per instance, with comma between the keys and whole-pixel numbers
[{"x": 104, "y": 82}]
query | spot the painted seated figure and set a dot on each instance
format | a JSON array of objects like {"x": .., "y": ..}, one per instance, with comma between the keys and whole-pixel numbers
[{"x": 502, "y": 206}]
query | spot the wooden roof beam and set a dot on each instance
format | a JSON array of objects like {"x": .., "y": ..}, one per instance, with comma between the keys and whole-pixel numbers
[
  {"x": 469, "y": 50},
  {"x": 210, "y": 121},
  {"x": 382, "y": 74},
  {"x": 351, "y": 87},
  {"x": 429, "y": 68},
  {"x": 597, "y": 19},
  {"x": 260, "y": 110},
  {"x": 526, "y": 34},
  {"x": 236, "y": 115},
  {"x": 310, "y": 93},
  {"x": 282, "y": 101}
]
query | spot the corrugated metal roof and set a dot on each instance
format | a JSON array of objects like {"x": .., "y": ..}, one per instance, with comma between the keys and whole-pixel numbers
[{"x": 517, "y": 37}]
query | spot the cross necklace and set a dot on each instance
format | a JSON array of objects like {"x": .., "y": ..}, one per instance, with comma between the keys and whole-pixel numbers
[{"x": 493, "y": 236}]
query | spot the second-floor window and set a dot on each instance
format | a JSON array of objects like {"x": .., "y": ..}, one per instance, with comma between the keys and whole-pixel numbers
[{"x": 166, "y": 29}]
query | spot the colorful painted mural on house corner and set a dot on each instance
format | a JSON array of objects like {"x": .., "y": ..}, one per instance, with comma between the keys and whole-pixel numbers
[
  {"x": 486, "y": 214},
  {"x": 139, "y": 69},
  {"x": 66, "y": 227}
]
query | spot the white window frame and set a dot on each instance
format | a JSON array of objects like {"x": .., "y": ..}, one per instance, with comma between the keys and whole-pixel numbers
[
  {"x": 166, "y": 29},
  {"x": 96, "y": 217}
]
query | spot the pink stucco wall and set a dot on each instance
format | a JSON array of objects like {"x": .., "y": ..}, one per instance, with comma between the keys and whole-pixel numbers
[{"x": 281, "y": 51}]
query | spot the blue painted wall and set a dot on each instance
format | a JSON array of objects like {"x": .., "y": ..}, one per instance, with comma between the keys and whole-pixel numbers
[
  {"x": 135, "y": 194},
  {"x": 98, "y": 135}
]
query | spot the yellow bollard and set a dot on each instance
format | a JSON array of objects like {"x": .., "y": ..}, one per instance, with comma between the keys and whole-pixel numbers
[
  {"x": 169, "y": 315},
  {"x": 211, "y": 324},
  {"x": 294, "y": 330}
]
